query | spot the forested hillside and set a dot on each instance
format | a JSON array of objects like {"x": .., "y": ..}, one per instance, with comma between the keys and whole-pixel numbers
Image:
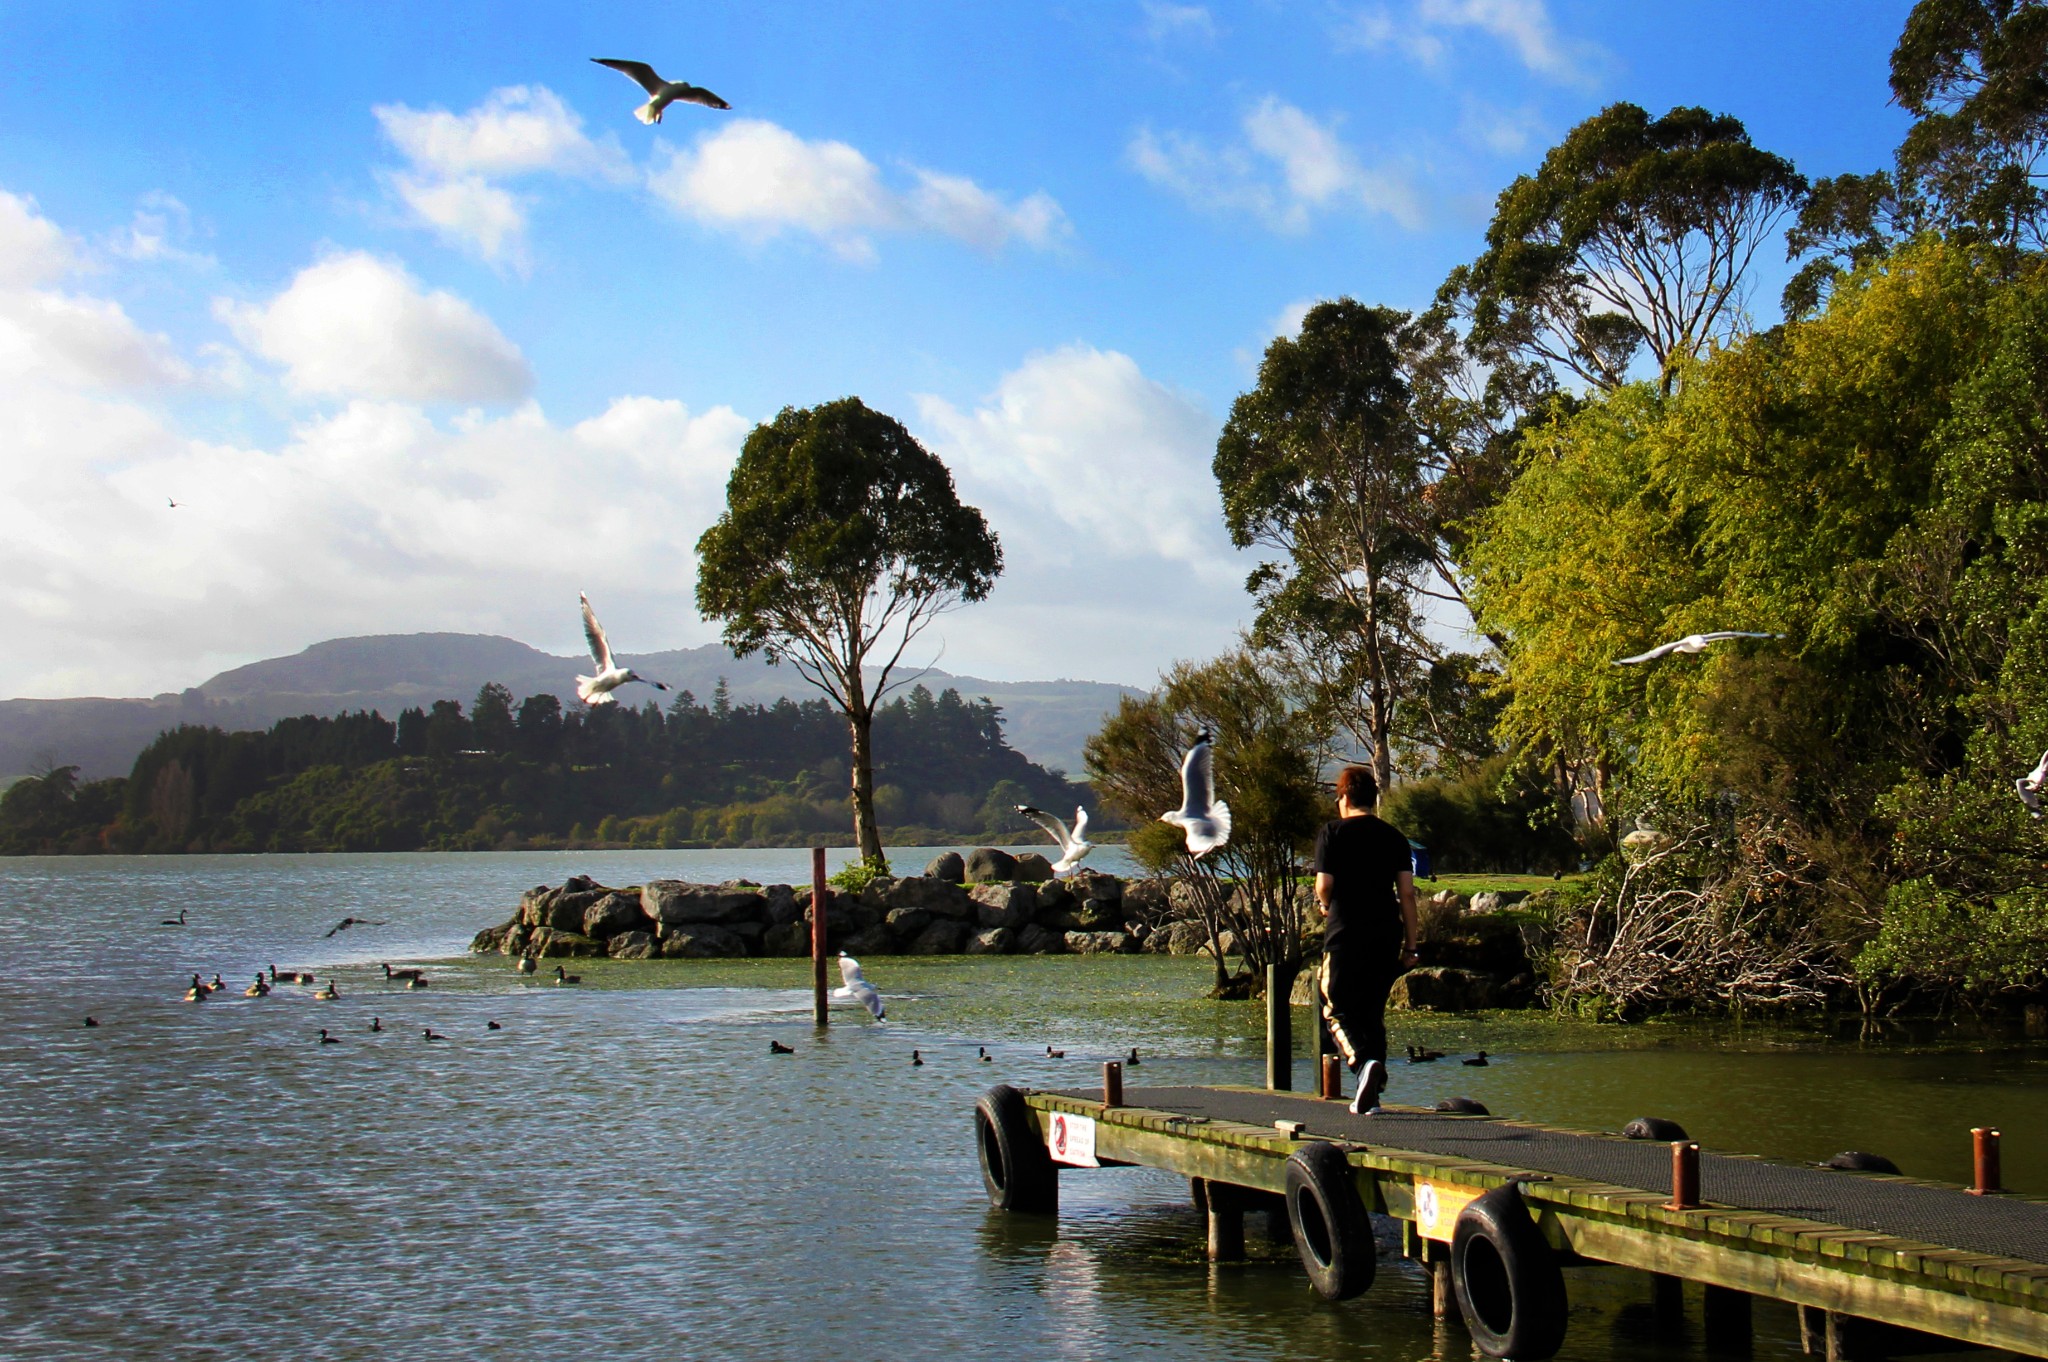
[{"x": 524, "y": 774}]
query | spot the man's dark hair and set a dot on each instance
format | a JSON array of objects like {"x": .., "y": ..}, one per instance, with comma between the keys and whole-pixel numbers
[{"x": 1356, "y": 786}]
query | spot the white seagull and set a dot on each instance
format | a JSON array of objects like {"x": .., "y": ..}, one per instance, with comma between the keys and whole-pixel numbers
[
  {"x": 1074, "y": 847},
  {"x": 2030, "y": 785},
  {"x": 665, "y": 92},
  {"x": 857, "y": 989},
  {"x": 1691, "y": 643},
  {"x": 1205, "y": 817},
  {"x": 597, "y": 690}
]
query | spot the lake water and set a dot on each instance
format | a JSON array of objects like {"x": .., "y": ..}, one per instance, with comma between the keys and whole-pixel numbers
[{"x": 624, "y": 1170}]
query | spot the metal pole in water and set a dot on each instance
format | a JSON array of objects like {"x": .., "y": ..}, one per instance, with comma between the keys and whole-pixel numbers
[
  {"x": 1112, "y": 1084},
  {"x": 819, "y": 893},
  {"x": 1988, "y": 1173},
  {"x": 1685, "y": 1176},
  {"x": 1279, "y": 1031}
]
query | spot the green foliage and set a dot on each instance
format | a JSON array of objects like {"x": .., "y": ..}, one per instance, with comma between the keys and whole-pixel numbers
[
  {"x": 1498, "y": 816},
  {"x": 1949, "y": 943},
  {"x": 855, "y": 876},
  {"x": 842, "y": 539}
]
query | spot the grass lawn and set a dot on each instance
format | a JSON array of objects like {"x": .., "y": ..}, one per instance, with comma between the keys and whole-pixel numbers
[{"x": 1474, "y": 884}]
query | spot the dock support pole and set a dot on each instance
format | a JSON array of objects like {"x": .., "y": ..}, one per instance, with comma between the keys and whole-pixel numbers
[
  {"x": 1727, "y": 1317},
  {"x": 1226, "y": 1224},
  {"x": 1113, "y": 1086},
  {"x": 1667, "y": 1303},
  {"x": 820, "y": 892},
  {"x": 1988, "y": 1173},
  {"x": 1443, "y": 1296},
  {"x": 1279, "y": 1031}
]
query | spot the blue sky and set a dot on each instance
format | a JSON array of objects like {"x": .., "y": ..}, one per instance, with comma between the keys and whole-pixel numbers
[{"x": 424, "y": 331}]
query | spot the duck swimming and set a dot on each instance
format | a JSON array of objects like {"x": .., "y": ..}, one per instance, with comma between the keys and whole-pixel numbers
[
  {"x": 432, "y": 1034},
  {"x": 329, "y": 993},
  {"x": 525, "y": 965},
  {"x": 561, "y": 977},
  {"x": 776, "y": 1047},
  {"x": 178, "y": 921},
  {"x": 326, "y": 1039},
  {"x": 257, "y": 989},
  {"x": 376, "y": 1023}
]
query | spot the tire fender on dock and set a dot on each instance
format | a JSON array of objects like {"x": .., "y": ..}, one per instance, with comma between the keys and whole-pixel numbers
[
  {"x": 1510, "y": 1287},
  {"x": 1015, "y": 1168},
  {"x": 1332, "y": 1232}
]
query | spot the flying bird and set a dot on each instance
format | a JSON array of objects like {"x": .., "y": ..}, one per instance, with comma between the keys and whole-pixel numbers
[
  {"x": 1691, "y": 643},
  {"x": 2030, "y": 785},
  {"x": 857, "y": 989},
  {"x": 349, "y": 922},
  {"x": 173, "y": 501},
  {"x": 1205, "y": 817},
  {"x": 597, "y": 690},
  {"x": 664, "y": 92},
  {"x": 1074, "y": 847}
]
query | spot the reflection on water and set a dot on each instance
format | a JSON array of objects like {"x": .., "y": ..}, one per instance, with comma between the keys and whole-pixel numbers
[{"x": 624, "y": 1166}]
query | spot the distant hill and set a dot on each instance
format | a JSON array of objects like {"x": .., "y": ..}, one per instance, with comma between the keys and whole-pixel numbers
[{"x": 1045, "y": 720}]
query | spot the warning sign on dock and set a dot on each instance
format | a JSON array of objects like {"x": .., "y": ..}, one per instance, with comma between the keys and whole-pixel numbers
[
  {"x": 1072, "y": 1140},
  {"x": 1437, "y": 1205}
]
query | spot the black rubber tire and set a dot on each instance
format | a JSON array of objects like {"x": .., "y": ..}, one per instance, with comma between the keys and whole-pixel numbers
[
  {"x": 1016, "y": 1170},
  {"x": 1654, "y": 1128},
  {"x": 1510, "y": 1287},
  {"x": 1332, "y": 1232}
]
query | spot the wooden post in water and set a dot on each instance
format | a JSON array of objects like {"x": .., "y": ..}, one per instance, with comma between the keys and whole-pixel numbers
[
  {"x": 1112, "y": 1083},
  {"x": 819, "y": 893},
  {"x": 1989, "y": 1176},
  {"x": 1279, "y": 1031},
  {"x": 1727, "y": 1319},
  {"x": 1226, "y": 1223}
]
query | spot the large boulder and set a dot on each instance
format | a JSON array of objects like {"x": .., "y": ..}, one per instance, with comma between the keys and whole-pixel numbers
[
  {"x": 516, "y": 934},
  {"x": 492, "y": 939},
  {"x": 779, "y": 902},
  {"x": 567, "y": 943},
  {"x": 1037, "y": 940},
  {"x": 632, "y": 946},
  {"x": 614, "y": 913},
  {"x": 1053, "y": 897},
  {"x": 992, "y": 941},
  {"x": 1088, "y": 915},
  {"x": 872, "y": 939},
  {"x": 1147, "y": 899},
  {"x": 1442, "y": 989},
  {"x": 987, "y": 865},
  {"x": 1003, "y": 905},
  {"x": 949, "y": 866},
  {"x": 563, "y": 910},
  {"x": 1096, "y": 943},
  {"x": 1493, "y": 900},
  {"x": 1033, "y": 868},
  {"x": 787, "y": 940},
  {"x": 1094, "y": 884},
  {"x": 940, "y": 898},
  {"x": 905, "y": 923},
  {"x": 1186, "y": 937},
  {"x": 701, "y": 941},
  {"x": 672, "y": 903},
  {"x": 943, "y": 937}
]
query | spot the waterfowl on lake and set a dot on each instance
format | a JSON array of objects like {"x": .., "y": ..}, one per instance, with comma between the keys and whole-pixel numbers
[
  {"x": 390, "y": 973},
  {"x": 916, "y": 1060},
  {"x": 525, "y": 965},
  {"x": 1051, "y": 1053},
  {"x": 854, "y": 986},
  {"x": 1477, "y": 1061},
  {"x": 562, "y": 977},
  {"x": 376, "y": 1023},
  {"x": 197, "y": 994},
  {"x": 178, "y": 921},
  {"x": 256, "y": 990},
  {"x": 92, "y": 1021},
  {"x": 417, "y": 981},
  {"x": 981, "y": 1052},
  {"x": 1416, "y": 1056},
  {"x": 349, "y": 922},
  {"x": 776, "y": 1047},
  {"x": 326, "y": 1039},
  {"x": 431, "y": 1034},
  {"x": 492, "y": 1026},
  {"x": 329, "y": 993},
  {"x": 217, "y": 986},
  {"x": 1132, "y": 1061}
]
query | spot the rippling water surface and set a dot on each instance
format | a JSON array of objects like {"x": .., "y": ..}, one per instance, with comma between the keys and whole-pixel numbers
[{"x": 623, "y": 1169}]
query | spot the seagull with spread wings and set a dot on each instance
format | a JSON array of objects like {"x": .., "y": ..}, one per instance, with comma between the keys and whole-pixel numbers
[
  {"x": 1205, "y": 818},
  {"x": 597, "y": 690},
  {"x": 664, "y": 92},
  {"x": 1691, "y": 643},
  {"x": 2030, "y": 786},
  {"x": 1074, "y": 847},
  {"x": 857, "y": 988}
]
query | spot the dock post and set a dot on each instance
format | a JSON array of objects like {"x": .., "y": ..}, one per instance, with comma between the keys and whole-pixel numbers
[
  {"x": 1988, "y": 1173},
  {"x": 820, "y": 892},
  {"x": 1226, "y": 1223},
  {"x": 1113, "y": 1084},
  {"x": 1685, "y": 1176},
  {"x": 1727, "y": 1317},
  {"x": 1443, "y": 1295},
  {"x": 1332, "y": 1089},
  {"x": 1667, "y": 1303},
  {"x": 1279, "y": 1031}
]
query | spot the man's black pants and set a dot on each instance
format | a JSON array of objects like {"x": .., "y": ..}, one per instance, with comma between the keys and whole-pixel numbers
[{"x": 1354, "y": 987}]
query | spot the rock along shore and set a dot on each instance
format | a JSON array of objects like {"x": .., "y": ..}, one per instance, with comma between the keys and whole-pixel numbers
[{"x": 988, "y": 903}]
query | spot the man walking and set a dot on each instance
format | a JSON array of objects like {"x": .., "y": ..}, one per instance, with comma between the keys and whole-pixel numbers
[{"x": 1365, "y": 882}]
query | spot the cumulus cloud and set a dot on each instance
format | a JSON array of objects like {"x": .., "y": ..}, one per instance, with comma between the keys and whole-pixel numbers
[
  {"x": 356, "y": 326},
  {"x": 456, "y": 160},
  {"x": 1524, "y": 27},
  {"x": 1165, "y": 21},
  {"x": 72, "y": 340},
  {"x": 33, "y": 249},
  {"x": 757, "y": 179},
  {"x": 160, "y": 224},
  {"x": 1287, "y": 168}
]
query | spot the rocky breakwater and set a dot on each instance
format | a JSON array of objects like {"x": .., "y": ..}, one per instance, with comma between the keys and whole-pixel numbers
[{"x": 988, "y": 903}]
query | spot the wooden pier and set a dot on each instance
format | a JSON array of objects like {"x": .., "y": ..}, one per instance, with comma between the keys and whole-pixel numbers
[{"x": 1495, "y": 1208}]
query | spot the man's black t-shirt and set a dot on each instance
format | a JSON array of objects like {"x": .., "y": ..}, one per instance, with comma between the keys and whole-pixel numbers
[{"x": 1363, "y": 855}]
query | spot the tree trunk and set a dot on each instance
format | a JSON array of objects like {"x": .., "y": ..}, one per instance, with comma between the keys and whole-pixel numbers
[{"x": 866, "y": 836}]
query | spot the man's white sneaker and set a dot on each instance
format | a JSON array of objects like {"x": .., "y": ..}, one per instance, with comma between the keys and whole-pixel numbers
[{"x": 1372, "y": 1079}]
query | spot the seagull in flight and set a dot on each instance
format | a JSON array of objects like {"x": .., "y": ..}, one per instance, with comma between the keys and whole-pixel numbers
[
  {"x": 664, "y": 92},
  {"x": 1074, "y": 847},
  {"x": 2031, "y": 784},
  {"x": 857, "y": 989},
  {"x": 1691, "y": 643},
  {"x": 1205, "y": 817},
  {"x": 173, "y": 501},
  {"x": 597, "y": 690},
  {"x": 349, "y": 922}
]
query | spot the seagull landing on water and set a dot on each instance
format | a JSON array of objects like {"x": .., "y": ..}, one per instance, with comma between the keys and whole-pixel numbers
[
  {"x": 1691, "y": 643},
  {"x": 1205, "y": 817},
  {"x": 597, "y": 690},
  {"x": 1074, "y": 848},
  {"x": 857, "y": 989},
  {"x": 2031, "y": 784},
  {"x": 665, "y": 92}
]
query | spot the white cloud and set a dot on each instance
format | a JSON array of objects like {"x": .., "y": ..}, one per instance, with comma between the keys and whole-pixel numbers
[
  {"x": 1287, "y": 322},
  {"x": 161, "y": 221},
  {"x": 1288, "y": 168},
  {"x": 455, "y": 160},
  {"x": 81, "y": 342},
  {"x": 1524, "y": 27},
  {"x": 1164, "y": 21},
  {"x": 758, "y": 179},
  {"x": 33, "y": 249},
  {"x": 1504, "y": 132},
  {"x": 356, "y": 326}
]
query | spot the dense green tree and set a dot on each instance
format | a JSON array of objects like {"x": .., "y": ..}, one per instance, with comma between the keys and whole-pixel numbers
[
  {"x": 491, "y": 723},
  {"x": 842, "y": 540}
]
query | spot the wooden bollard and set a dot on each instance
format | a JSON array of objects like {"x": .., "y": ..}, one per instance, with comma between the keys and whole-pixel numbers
[
  {"x": 1333, "y": 1079},
  {"x": 1685, "y": 1176},
  {"x": 820, "y": 1016},
  {"x": 1112, "y": 1084},
  {"x": 1989, "y": 1176}
]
